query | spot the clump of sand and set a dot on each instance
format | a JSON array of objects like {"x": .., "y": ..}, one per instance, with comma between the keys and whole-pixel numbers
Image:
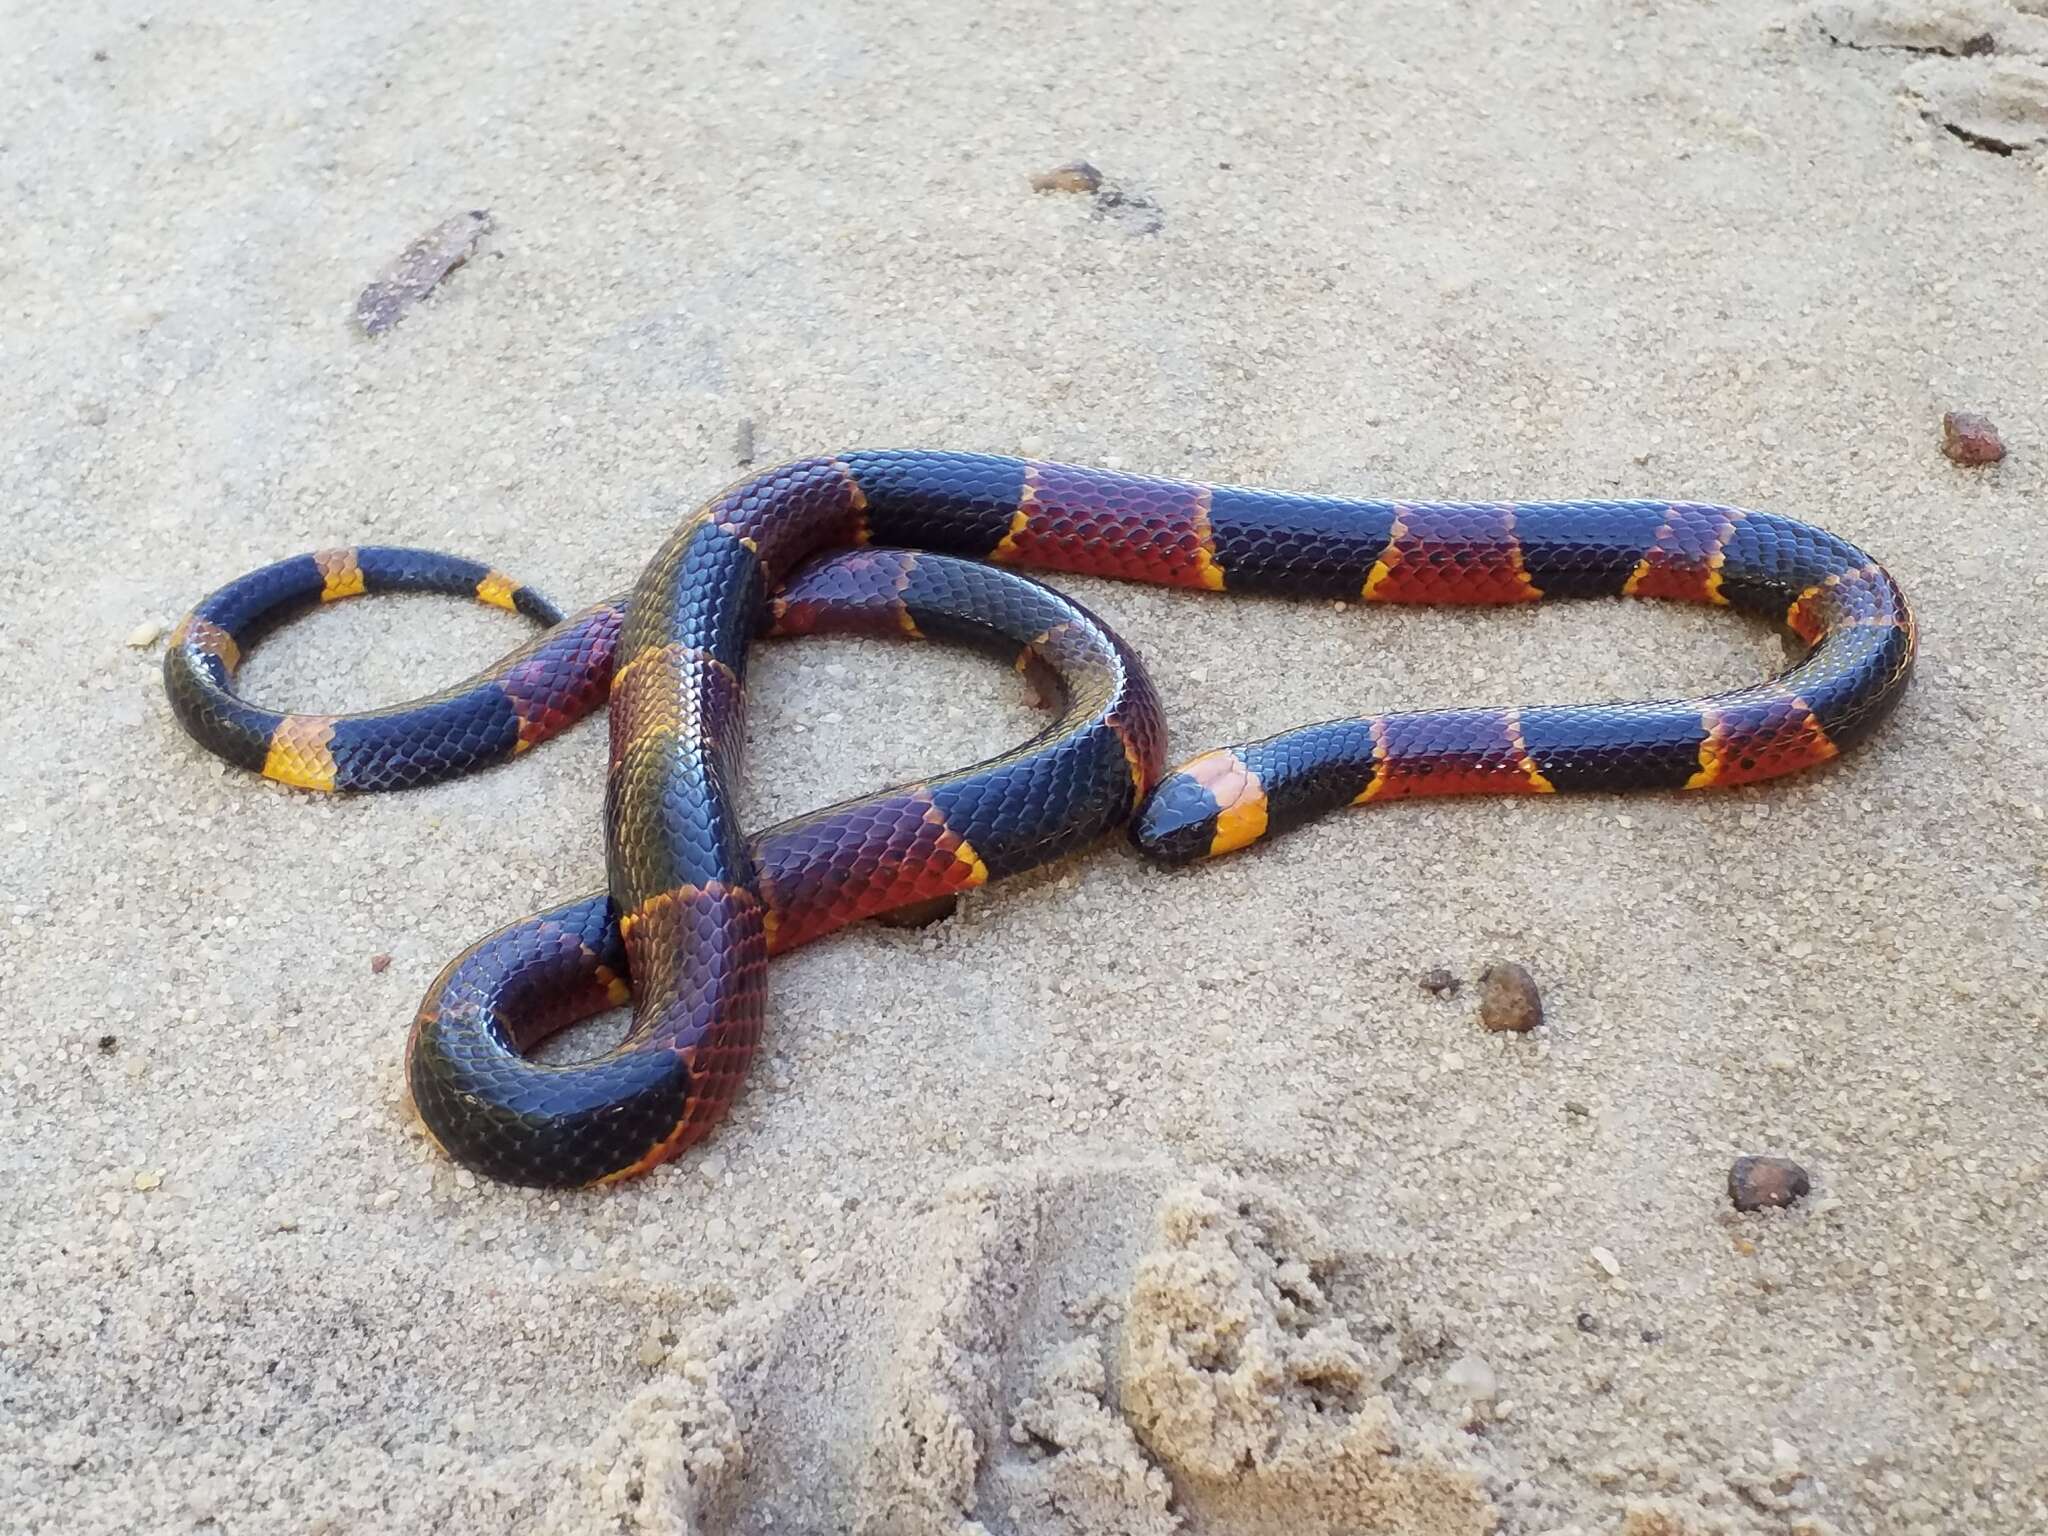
[
  {"x": 1244, "y": 1378},
  {"x": 668, "y": 1462},
  {"x": 1181, "y": 1367}
]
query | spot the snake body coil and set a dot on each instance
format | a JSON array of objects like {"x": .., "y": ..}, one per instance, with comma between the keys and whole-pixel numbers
[{"x": 694, "y": 907}]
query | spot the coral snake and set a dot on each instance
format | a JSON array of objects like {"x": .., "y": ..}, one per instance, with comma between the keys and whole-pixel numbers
[{"x": 866, "y": 542}]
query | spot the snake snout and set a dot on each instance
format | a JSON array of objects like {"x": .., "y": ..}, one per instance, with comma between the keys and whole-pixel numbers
[{"x": 1176, "y": 824}]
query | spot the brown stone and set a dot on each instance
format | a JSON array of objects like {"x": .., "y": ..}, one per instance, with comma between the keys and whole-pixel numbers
[
  {"x": 379, "y": 964},
  {"x": 1969, "y": 438},
  {"x": 1759, "y": 1183},
  {"x": 1508, "y": 999},
  {"x": 1074, "y": 176}
]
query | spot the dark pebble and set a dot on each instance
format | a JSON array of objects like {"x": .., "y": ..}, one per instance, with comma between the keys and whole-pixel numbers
[
  {"x": 1969, "y": 438},
  {"x": 379, "y": 964},
  {"x": 107, "y": 1045},
  {"x": 1588, "y": 1323},
  {"x": 1441, "y": 983},
  {"x": 1508, "y": 999},
  {"x": 743, "y": 441},
  {"x": 1758, "y": 1183}
]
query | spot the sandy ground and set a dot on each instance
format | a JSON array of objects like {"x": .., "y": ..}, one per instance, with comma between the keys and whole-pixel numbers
[{"x": 1123, "y": 1202}]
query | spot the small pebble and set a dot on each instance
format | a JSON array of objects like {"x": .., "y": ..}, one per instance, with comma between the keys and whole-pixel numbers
[
  {"x": 1074, "y": 176},
  {"x": 1441, "y": 983},
  {"x": 379, "y": 964},
  {"x": 1588, "y": 1323},
  {"x": 147, "y": 1181},
  {"x": 108, "y": 1044},
  {"x": 1508, "y": 999},
  {"x": 1473, "y": 1377},
  {"x": 1968, "y": 438},
  {"x": 143, "y": 635},
  {"x": 652, "y": 1353},
  {"x": 1755, "y": 1183},
  {"x": 1607, "y": 1261},
  {"x": 743, "y": 441}
]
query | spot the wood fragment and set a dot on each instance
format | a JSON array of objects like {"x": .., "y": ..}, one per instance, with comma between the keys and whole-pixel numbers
[{"x": 419, "y": 270}]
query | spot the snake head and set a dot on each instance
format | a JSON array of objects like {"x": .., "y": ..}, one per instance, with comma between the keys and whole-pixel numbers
[{"x": 1210, "y": 805}]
